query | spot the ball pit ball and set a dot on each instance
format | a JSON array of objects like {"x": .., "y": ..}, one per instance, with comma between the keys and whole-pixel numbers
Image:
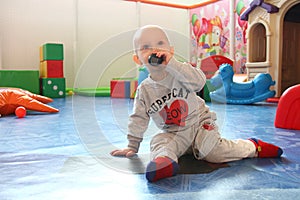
[
  {"x": 70, "y": 93},
  {"x": 20, "y": 112}
]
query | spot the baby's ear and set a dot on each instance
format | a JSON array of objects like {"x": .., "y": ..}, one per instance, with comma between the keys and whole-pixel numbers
[
  {"x": 172, "y": 50},
  {"x": 136, "y": 59}
]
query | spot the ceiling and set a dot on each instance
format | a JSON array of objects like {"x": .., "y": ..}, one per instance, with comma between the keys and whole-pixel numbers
[{"x": 186, "y": 4}]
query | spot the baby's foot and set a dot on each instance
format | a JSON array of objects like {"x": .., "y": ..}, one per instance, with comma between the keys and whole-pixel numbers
[
  {"x": 266, "y": 150},
  {"x": 161, "y": 167}
]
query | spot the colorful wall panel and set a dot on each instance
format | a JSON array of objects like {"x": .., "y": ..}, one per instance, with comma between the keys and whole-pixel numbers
[{"x": 210, "y": 32}]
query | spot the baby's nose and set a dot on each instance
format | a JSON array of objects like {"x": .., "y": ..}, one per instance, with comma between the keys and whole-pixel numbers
[{"x": 155, "y": 50}]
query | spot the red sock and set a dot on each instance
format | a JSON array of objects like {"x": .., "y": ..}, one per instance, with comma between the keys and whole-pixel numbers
[
  {"x": 161, "y": 167},
  {"x": 266, "y": 150}
]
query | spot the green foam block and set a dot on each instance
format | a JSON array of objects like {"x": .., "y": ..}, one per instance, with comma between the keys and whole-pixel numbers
[
  {"x": 52, "y": 51},
  {"x": 24, "y": 79},
  {"x": 53, "y": 87}
]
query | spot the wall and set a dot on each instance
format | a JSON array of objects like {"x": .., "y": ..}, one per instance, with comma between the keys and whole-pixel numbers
[
  {"x": 96, "y": 35},
  {"x": 112, "y": 57},
  {"x": 25, "y": 25}
]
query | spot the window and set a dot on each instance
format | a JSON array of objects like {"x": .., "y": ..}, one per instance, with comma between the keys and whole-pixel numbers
[{"x": 258, "y": 43}]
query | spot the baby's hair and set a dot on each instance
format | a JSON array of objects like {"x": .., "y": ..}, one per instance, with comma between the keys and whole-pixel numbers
[{"x": 138, "y": 32}]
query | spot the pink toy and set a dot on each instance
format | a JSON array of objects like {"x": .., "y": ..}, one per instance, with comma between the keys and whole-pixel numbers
[{"x": 288, "y": 111}]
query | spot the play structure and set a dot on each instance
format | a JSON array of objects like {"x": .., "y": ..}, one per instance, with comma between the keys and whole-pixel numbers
[
  {"x": 288, "y": 111},
  {"x": 273, "y": 28},
  {"x": 231, "y": 92}
]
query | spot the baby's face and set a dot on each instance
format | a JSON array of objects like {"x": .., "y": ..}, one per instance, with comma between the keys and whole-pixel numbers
[{"x": 151, "y": 40}]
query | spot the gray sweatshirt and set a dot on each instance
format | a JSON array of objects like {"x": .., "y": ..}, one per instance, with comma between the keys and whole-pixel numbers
[{"x": 171, "y": 103}]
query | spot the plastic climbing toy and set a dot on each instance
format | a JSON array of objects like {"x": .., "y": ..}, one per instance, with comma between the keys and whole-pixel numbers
[
  {"x": 288, "y": 110},
  {"x": 240, "y": 93}
]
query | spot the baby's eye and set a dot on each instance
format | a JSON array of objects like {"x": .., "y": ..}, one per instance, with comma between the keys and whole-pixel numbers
[
  {"x": 145, "y": 47},
  {"x": 160, "y": 42}
]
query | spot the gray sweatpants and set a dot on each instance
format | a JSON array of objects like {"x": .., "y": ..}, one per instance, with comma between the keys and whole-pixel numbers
[{"x": 204, "y": 143}]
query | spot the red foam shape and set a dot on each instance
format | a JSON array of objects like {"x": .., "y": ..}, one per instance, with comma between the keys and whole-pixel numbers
[{"x": 288, "y": 111}]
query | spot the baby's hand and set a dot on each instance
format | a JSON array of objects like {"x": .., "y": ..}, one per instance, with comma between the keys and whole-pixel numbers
[
  {"x": 166, "y": 54},
  {"x": 123, "y": 152}
]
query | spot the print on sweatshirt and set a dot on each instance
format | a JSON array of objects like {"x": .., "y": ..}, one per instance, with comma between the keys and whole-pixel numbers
[{"x": 174, "y": 112}]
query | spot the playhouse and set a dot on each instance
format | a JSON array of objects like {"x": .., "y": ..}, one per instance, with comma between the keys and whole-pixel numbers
[{"x": 273, "y": 41}]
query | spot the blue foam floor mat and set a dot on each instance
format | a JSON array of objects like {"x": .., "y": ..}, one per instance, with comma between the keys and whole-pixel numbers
[{"x": 66, "y": 156}]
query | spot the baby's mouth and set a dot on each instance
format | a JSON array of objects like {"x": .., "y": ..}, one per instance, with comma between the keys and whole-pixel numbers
[{"x": 154, "y": 60}]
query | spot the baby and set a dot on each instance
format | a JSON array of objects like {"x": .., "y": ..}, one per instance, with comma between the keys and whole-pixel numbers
[{"x": 168, "y": 97}]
